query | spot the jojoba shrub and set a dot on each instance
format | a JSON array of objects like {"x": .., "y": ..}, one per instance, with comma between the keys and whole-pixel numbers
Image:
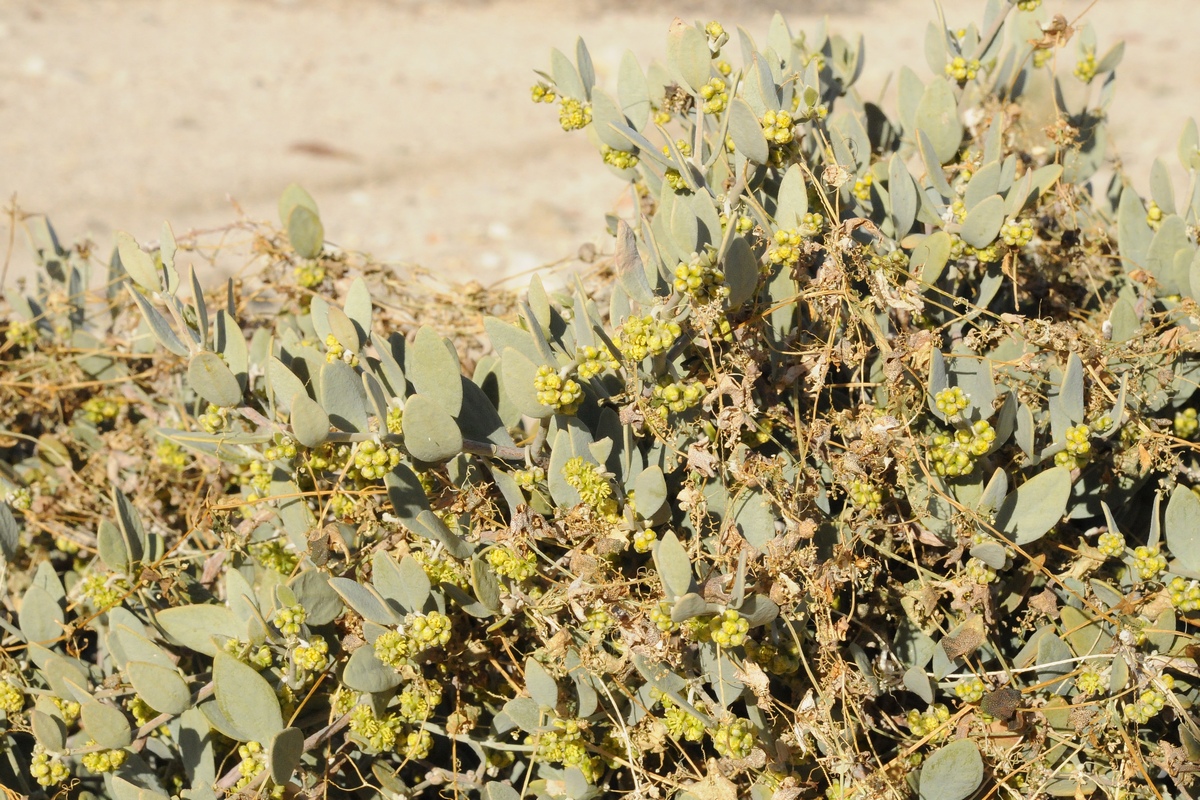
[{"x": 865, "y": 467}]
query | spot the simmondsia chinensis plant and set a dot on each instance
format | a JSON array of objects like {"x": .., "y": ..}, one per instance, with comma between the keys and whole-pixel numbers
[{"x": 865, "y": 467}]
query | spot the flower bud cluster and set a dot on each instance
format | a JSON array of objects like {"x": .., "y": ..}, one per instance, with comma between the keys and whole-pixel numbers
[
  {"x": 1017, "y": 233},
  {"x": 564, "y": 396},
  {"x": 214, "y": 419},
  {"x": 962, "y": 70},
  {"x": 1148, "y": 562},
  {"x": 289, "y": 619},
  {"x": 1185, "y": 594},
  {"x": 99, "y": 410},
  {"x": 1090, "y": 682},
  {"x": 680, "y": 724},
  {"x": 372, "y": 460},
  {"x": 311, "y": 655},
  {"x": 700, "y": 278},
  {"x": 309, "y": 275},
  {"x": 1147, "y": 706},
  {"x": 954, "y": 456},
  {"x": 660, "y": 615},
  {"x": 528, "y": 479},
  {"x": 862, "y": 186},
  {"x": 377, "y": 733},
  {"x": 781, "y": 659},
  {"x": 1154, "y": 215},
  {"x": 715, "y": 96},
  {"x": 542, "y": 93},
  {"x": 335, "y": 351},
  {"x": 676, "y": 397},
  {"x": 594, "y": 360},
  {"x": 952, "y": 401},
  {"x": 1111, "y": 544},
  {"x": 970, "y": 690},
  {"x": 22, "y": 333},
  {"x": 594, "y": 487},
  {"x": 1078, "y": 447},
  {"x": 786, "y": 248},
  {"x": 104, "y": 760},
  {"x": 639, "y": 337},
  {"x": 621, "y": 159},
  {"x": 734, "y": 739},
  {"x": 980, "y": 573},
  {"x": 643, "y": 540},
  {"x": 864, "y": 495},
  {"x": 728, "y": 629},
  {"x": 574, "y": 115},
  {"x": 105, "y": 591},
  {"x": 1085, "y": 68},
  {"x": 510, "y": 564},
  {"x": 1186, "y": 423},
  {"x": 12, "y": 699},
  {"x": 567, "y": 746},
  {"x": 924, "y": 723},
  {"x": 283, "y": 450},
  {"x": 778, "y": 127},
  {"x": 46, "y": 769}
]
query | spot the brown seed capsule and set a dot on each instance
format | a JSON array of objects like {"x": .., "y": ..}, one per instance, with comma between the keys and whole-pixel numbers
[{"x": 1001, "y": 703}]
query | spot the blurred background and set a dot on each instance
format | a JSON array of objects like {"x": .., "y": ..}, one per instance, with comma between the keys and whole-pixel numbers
[{"x": 410, "y": 121}]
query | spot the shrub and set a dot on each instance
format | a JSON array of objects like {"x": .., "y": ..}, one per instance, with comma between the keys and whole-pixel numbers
[{"x": 866, "y": 471}]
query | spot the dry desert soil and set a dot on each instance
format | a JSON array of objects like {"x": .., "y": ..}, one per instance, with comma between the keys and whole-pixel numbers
[{"x": 410, "y": 120}]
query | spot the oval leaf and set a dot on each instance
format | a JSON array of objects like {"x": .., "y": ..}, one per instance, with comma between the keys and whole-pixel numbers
[
  {"x": 162, "y": 688},
  {"x": 285, "y": 751},
  {"x": 1036, "y": 506},
  {"x": 432, "y": 366},
  {"x": 310, "y": 423},
  {"x": 107, "y": 725},
  {"x": 212, "y": 379},
  {"x": 430, "y": 433},
  {"x": 953, "y": 772},
  {"x": 1182, "y": 527},
  {"x": 246, "y": 698},
  {"x": 305, "y": 232}
]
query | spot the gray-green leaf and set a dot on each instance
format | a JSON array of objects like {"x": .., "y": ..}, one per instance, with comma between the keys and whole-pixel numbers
[
  {"x": 1036, "y": 506},
  {"x": 952, "y": 773},
  {"x": 246, "y": 698},
  {"x": 212, "y": 379}
]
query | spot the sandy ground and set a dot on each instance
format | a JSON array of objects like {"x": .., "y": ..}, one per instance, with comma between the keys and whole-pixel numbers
[{"x": 410, "y": 120}]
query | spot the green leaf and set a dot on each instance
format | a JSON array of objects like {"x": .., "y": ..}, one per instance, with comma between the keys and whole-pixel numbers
[
  {"x": 430, "y": 433},
  {"x": 313, "y": 591},
  {"x": 793, "y": 198},
  {"x": 605, "y": 111},
  {"x": 161, "y": 687},
  {"x": 344, "y": 330},
  {"x": 305, "y": 232},
  {"x": 366, "y": 673},
  {"x": 310, "y": 423},
  {"x": 106, "y": 724},
  {"x": 954, "y": 772},
  {"x": 540, "y": 685},
  {"x": 158, "y": 325},
  {"x": 1189, "y": 146},
  {"x": 138, "y": 263},
  {"x": 10, "y": 533},
  {"x": 368, "y": 604},
  {"x": 193, "y": 626},
  {"x": 525, "y": 714},
  {"x": 283, "y": 383},
  {"x": 430, "y": 526},
  {"x": 294, "y": 195},
  {"x": 1085, "y": 634},
  {"x": 284, "y": 753},
  {"x": 1134, "y": 234},
  {"x": 688, "y": 54},
  {"x": 755, "y": 518},
  {"x": 494, "y": 790},
  {"x": 929, "y": 257},
  {"x": 651, "y": 489},
  {"x": 49, "y": 730},
  {"x": 741, "y": 271},
  {"x": 747, "y": 132},
  {"x": 917, "y": 682},
  {"x": 246, "y": 698},
  {"x": 343, "y": 396},
  {"x": 633, "y": 91},
  {"x": 432, "y": 366},
  {"x": 937, "y": 118},
  {"x": 903, "y": 193},
  {"x": 627, "y": 262},
  {"x": 212, "y": 379},
  {"x": 983, "y": 222},
  {"x": 566, "y": 77},
  {"x": 1182, "y": 527},
  {"x": 485, "y": 584},
  {"x": 674, "y": 566},
  {"x": 110, "y": 545},
  {"x": 1027, "y": 514},
  {"x": 41, "y": 617}
]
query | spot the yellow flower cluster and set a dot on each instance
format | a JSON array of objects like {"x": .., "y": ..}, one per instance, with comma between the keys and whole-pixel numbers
[
  {"x": 1085, "y": 68},
  {"x": 676, "y": 397},
  {"x": 1017, "y": 233},
  {"x": 593, "y": 487},
  {"x": 776, "y": 659},
  {"x": 639, "y": 337},
  {"x": 573, "y": 114},
  {"x": 1185, "y": 595},
  {"x": 372, "y": 460},
  {"x": 335, "y": 351},
  {"x": 567, "y": 746},
  {"x": 952, "y": 401},
  {"x": 924, "y": 723},
  {"x": 1078, "y": 448},
  {"x": 1186, "y": 423},
  {"x": 47, "y": 770},
  {"x": 700, "y": 278},
  {"x": 99, "y": 410},
  {"x": 289, "y": 619},
  {"x": 1111, "y": 544},
  {"x": 954, "y": 456},
  {"x": 970, "y": 690},
  {"x": 962, "y": 70},
  {"x": 862, "y": 187},
  {"x": 734, "y": 739},
  {"x": 310, "y": 274},
  {"x": 778, "y": 127},
  {"x": 1148, "y": 562},
  {"x": 621, "y": 159},
  {"x": 715, "y": 96},
  {"x": 564, "y": 396},
  {"x": 104, "y": 760}
]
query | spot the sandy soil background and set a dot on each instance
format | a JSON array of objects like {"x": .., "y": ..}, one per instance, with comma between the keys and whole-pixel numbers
[{"x": 410, "y": 120}]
